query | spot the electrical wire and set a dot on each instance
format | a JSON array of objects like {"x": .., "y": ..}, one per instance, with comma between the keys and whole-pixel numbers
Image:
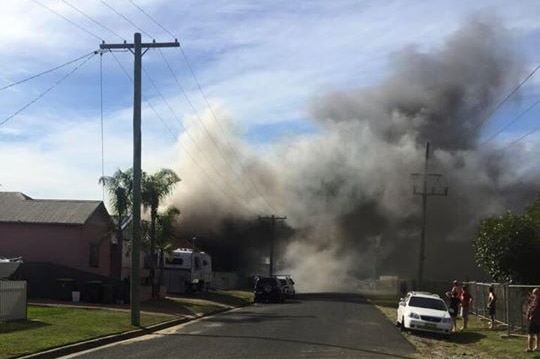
[
  {"x": 92, "y": 19},
  {"x": 517, "y": 118},
  {"x": 41, "y": 95},
  {"x": 45, "y": 72},
  {"x": 151, "y": 18},
  {"x": 520, "y": 138},
  {"x": 68, "y": 20},
  {"x": 241, "y": 178},
  {"x": 186, "y": 151},
  {"x": 211, "y": 137},
  {"x": 499, "y": 105},
  {"x": 189, "y": 135},
  {"x": 126, "y": 19}
]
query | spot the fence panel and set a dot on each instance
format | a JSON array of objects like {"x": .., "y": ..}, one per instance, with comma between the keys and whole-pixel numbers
[
  {"x": 511, "y": 305},
  {"x": 12, "y": 300}
]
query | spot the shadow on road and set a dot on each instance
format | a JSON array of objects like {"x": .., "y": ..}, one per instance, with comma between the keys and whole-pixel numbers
[
  {"x": 282, "y": 340},
  {"x": 332, "y": 297},
  {"x": 253, "y": 317}
]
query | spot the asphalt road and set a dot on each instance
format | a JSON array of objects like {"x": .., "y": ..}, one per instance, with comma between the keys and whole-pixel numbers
[{"x": 311, "y": 326}]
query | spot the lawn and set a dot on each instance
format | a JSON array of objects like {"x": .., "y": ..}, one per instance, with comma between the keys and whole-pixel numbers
[
  {"x": 52, "y": 326},
  {"x": 477, "y": 341}
]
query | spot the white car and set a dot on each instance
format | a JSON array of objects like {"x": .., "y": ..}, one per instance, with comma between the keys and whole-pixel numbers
[{"x": 424, "y": 312}]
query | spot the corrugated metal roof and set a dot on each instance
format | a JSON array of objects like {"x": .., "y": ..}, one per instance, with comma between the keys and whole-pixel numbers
[{"x": 18, "y": 207}]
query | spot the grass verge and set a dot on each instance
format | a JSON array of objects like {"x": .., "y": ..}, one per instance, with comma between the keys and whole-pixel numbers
[
  {"x": 57, "y": 325},
  {"x": 478, "y": 341}
]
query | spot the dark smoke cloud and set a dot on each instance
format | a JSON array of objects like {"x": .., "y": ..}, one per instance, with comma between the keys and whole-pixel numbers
[{"x": 347, "y": 190}]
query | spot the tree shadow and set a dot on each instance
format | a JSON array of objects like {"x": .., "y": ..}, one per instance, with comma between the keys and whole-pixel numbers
[
  {"x": 254, "y": 317},
  {"x": 20, "y": 325}
]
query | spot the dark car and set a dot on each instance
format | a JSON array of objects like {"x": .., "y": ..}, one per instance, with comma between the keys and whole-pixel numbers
[{"x": 268, "y": 289}]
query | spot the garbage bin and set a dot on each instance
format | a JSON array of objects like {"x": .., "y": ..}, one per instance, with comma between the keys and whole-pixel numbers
[
  {"x": 64, "y": 287},
  {"x": 93, "y": 291},
  {"x": 108, "y": 293}
]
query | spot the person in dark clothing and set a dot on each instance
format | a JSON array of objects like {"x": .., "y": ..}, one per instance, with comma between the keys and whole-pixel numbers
[
  {"x": 533, "y": 316},
  {"x": 454, "y": 295},
  {"x": 491, "y": 307}
]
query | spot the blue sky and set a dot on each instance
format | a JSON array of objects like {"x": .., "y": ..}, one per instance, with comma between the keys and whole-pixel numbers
[{"x": 261, "y": 62}]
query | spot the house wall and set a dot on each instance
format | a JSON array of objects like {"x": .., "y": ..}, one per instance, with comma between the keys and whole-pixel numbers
[{"x": 67, "y": 245}]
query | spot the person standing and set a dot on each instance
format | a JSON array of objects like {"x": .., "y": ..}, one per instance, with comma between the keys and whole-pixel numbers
[
  {"x": 533, "y": 316},
  {"x": 454, "y": 296},
  {"x": 466, "y": 300},
  {"x": 491, "y": 307}
]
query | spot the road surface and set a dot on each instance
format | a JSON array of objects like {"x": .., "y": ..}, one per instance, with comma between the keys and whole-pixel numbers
[{"x": 310, "y": 326}]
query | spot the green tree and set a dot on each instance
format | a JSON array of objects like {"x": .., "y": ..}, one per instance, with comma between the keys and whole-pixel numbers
[
  {"x": 155, "y": 188},
  {"x": 507, "y": 248},
  {"x": 119, "y": 188}
]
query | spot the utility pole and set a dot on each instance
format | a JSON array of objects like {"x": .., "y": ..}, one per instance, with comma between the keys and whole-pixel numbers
[
  {"x": 136, "y": 49},
  {"x": 272, "y": 220},
  {"x": 435, "y": 190}
]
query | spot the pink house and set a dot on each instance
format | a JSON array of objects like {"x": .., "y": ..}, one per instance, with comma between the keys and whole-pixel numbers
[{"x": 69, "y": 233}]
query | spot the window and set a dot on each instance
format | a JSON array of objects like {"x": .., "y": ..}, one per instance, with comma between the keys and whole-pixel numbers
[{"x": 94, "y": 255}]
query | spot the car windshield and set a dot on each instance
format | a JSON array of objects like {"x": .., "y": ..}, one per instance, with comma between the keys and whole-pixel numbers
[
  {"x": 283, "y": 281},
  {"x": 266, "y": 281},
  {"x": 423, "y": 302}
]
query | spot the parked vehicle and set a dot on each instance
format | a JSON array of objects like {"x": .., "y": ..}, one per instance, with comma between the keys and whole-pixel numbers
[
  {"x": 287, "y": 285},
  {"x": 269, "y": 289},
  {"x": 424, "y": 311},
  {"x": 187, "y": 271}
]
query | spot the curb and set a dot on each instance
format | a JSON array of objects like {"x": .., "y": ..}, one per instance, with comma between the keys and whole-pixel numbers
[{"x": 113, "y": 338}]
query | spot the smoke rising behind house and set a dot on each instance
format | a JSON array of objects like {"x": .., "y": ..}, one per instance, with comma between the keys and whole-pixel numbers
[{"x": 346, "y": 190}]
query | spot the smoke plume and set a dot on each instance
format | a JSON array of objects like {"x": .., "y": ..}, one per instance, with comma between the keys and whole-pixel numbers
[{"x": 347, "y": 190}]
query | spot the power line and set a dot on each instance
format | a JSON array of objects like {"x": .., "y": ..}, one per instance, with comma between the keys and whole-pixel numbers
[
  {"x": 521, "y": 115},
  {"x": 68, "y": 20},
  {"x": 201, "y": 151},
  {"x": 210, "y": 136},
  {"x": 126, "y": 19},
  {"x": 241, "y": 178},
  {"x": 92, "y": 19},
  {"x": 45, "y": 72},
  {"x": 151, "y": 18},
  {"x": 521, "y": 138},
  {"x": 41, "y": 95},
  {"x": 531, "y": 74},
  {"x": 186, "y": 151}
]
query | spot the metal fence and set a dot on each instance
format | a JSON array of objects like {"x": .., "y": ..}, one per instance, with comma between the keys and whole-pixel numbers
[
  {"x": 511, "y": 304},
  {"x": 12, "y": 300}
]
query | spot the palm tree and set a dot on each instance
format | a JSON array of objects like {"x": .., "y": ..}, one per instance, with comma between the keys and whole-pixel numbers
[
  {"x": 155, "y": 187},
  {"x": 119, "y": 187},
  {"x": 164, "y": 233}
]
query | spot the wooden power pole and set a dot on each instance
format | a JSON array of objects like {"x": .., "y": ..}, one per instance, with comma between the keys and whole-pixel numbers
[
  {"x": 434, "y": 190},
  {"x": 137, "y": 49},
  {"x": 272, "y": 220}
]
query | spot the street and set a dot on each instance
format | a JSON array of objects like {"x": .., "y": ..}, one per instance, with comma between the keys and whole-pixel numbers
[{"x": 310, "y": 326}]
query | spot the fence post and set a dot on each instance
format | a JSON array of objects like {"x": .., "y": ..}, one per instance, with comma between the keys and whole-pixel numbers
[{"x": 507, "y": 307}]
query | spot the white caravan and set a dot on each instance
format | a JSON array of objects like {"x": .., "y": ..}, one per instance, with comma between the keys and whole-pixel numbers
[{"x": 186, "y": 271}]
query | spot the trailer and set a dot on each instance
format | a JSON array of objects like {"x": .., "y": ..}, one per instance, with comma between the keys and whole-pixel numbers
[{"x": 186, "y": 271}]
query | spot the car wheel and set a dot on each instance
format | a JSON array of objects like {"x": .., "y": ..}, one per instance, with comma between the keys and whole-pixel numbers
[{"x": 402, "y": 324}]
